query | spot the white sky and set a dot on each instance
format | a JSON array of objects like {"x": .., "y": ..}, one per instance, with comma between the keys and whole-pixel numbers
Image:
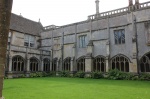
[{"x": 62, "y": 12}]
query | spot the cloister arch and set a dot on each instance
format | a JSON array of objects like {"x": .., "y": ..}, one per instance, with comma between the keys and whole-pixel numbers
[
  {"x": 99, "y": 64},
  {"x": 145, "y": 63},
  {"x": 120, "y": 62},
  {"x": 81, "y": 64},
  {"x": 67, "y": 64},
  {"x": 46, "y": 64},
  {"x": 54, "y": 64},
  {"x": 34, "y": 64},
  {"x": 18, "y": 63}
]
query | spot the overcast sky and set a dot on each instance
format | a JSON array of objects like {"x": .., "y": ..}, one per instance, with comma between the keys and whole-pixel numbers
[{"x": 62, "y": 12}]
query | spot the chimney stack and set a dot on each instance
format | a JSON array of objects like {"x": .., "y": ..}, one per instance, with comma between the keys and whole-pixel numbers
[
  {"x": 136, "y": 2},
  {"x": 97, "y": 6},
  {"x": 130, "y": 2}
]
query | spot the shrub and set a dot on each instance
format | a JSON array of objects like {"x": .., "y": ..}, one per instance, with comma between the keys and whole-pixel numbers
[
  {"x": 80, "y": 74},
  {"x": 32, "y": 75},
  {"x": 64, "y": 74},
  {"x": 96, "y": 75},
  {"x": 144, "y": 76},
  {"x": 115, "y": 74},
  {"x": 39, "y": 74}
]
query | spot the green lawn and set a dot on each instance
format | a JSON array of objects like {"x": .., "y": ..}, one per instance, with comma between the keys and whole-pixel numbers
[{"x": 74, "y": 88}]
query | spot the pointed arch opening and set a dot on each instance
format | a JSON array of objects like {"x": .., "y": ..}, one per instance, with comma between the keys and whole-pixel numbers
[
  {"x": 34, "y": 64},
  {"x": 46, "y": 65},
  {"x": 99, "y": 64},
  {"x": 120, "y": 62},
  {"x": 17, "y": 63},
  {"x": 81, "y": 64},
  {"x": 145, "y": 63},
  {"x": 54, "y": 64},
  {"x": 67, "y": 64}
]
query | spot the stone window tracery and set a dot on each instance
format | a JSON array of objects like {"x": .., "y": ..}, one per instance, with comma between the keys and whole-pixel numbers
[
  {"x": 46, "y": 64},
  {"x": 67, "y": 64},
  {"x": 121, "y": 63},
  {"x": 145, "y": 63},
  {"x": 99, "y": 64},
  {"x": 119, "y": 36},
  {"x": 81, "y": 64},
  {"x": 34, "y": 64},
  {"x": 17, "y": 63},
  {"x": 54, "y": 64}
]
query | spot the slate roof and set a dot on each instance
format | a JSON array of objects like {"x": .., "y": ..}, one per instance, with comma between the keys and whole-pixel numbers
[{"x": 23, "y": 25}]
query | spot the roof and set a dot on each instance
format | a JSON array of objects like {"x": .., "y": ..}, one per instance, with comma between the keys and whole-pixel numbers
[{"x": 23, "y": 25}]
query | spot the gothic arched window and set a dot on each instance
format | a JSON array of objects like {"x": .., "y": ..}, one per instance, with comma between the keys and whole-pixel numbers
[
  {"x": 34, "y": 64},
  {"x": 99, "y": 64},
  {"x": 81, "y": 64},
  {"x": 46, "y": 64},
  {"x": 120, "y": 62},
  {"x": 67, "y": 64},
  {"x": 145, "y": 63},
  {"x": 54, "y": 64},
  {"x": 17, "y": 63}
]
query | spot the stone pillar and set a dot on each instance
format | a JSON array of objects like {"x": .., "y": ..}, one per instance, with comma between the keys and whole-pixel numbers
[
  {"x": 107, "y": 56},
  {"x": 88, "y": 58},
  {"x": 10, "y": 73},
  {"x": 41, "y": 69},
  {"x": 88, "y": 64},
  {"x": 10, "y": 64},
  {"x": 107, "y": 65},
  {"x": 72, "y": 63},
  {"x": 28, "y": 65},
  {"x": 73, "y": 59},
  {"x": 58, "y": 68}
]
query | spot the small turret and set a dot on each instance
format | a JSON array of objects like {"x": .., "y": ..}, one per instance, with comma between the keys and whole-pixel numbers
[{"x": 130, "y": 2}]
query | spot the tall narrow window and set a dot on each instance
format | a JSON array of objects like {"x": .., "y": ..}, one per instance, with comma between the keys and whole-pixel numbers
[
  {"x": 119, "y": 36},
  {"x": 26, "y": 40},
  {"x": 82, "y": 41},
  {"x": 29, "y": 40},
  {"x": 67, "y": 64},
  {"x": 81, "y": 64}
]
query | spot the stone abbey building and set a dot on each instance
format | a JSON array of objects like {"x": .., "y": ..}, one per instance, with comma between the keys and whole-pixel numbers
[{"x": 117, "y": 39}]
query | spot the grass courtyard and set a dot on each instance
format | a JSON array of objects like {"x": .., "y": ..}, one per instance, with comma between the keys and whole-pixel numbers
[{"x": 74, "y": 88}]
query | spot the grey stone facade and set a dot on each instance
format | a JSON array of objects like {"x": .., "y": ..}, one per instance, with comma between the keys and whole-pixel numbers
[{"x": 115, "y": 39}]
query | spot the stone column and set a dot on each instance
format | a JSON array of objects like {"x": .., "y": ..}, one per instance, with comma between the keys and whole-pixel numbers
[
  {"x": 107, "y": 56},
  {"x": 58, "y": 68},
  {"x": 10, "y": 64},
  {"x": 72, "y": 64},
  {"x": 88, "y": 58},
  {"x": 28, "y": 65},
  {"x": 41, "y": 69},
  {"x": 88, "y": 64}
]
